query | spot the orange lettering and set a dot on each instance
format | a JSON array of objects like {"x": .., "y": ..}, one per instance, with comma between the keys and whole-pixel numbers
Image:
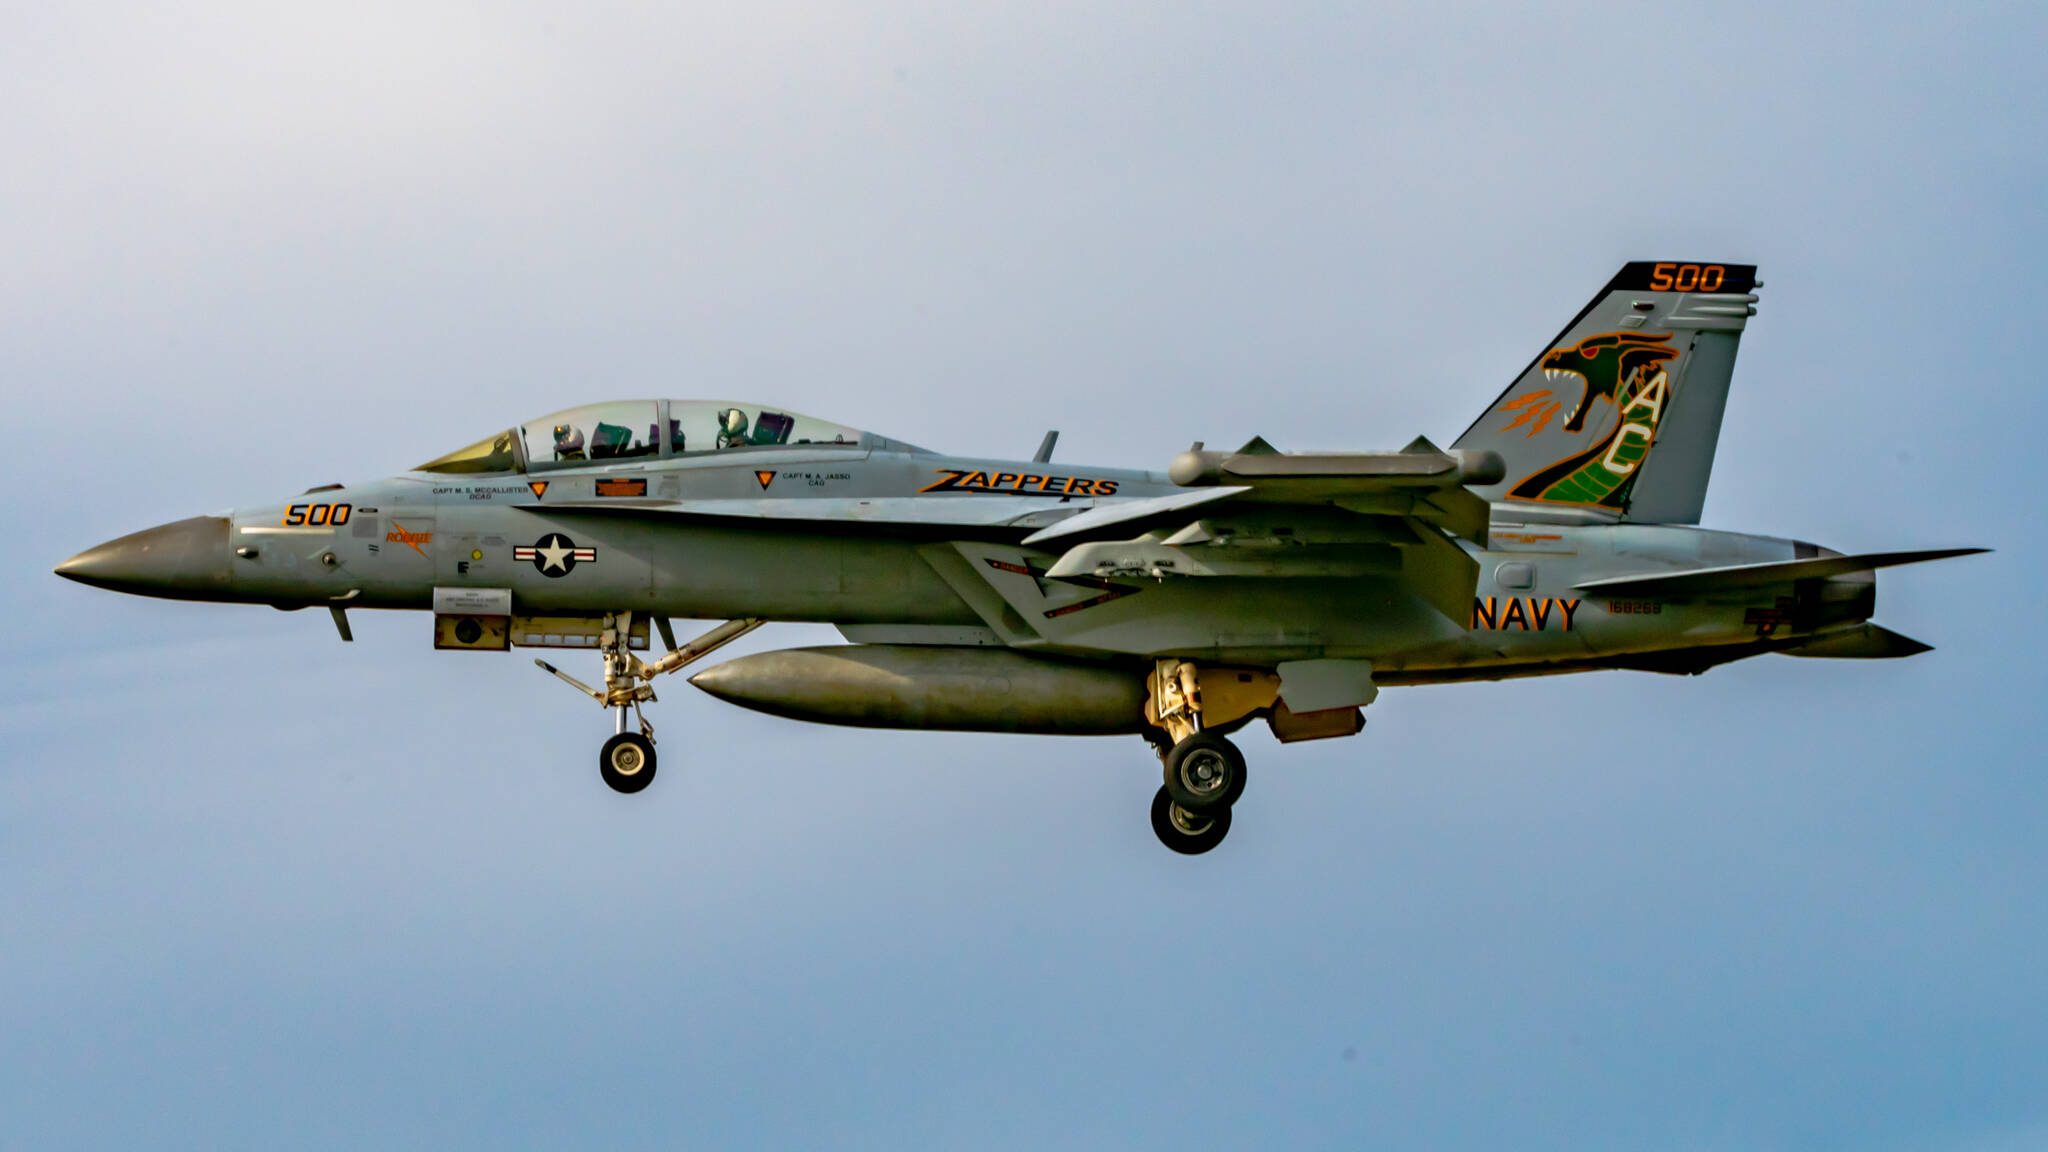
[
  {"x": 1514, "y": 615},
  {"x": 1482, "y": 611}
]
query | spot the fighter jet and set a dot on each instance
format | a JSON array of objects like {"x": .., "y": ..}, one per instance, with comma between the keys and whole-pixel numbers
[{"x": 1558, "y": 534}]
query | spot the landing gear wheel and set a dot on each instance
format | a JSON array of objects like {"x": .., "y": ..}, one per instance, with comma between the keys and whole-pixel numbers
[
  {"x": 627, "y": 762},
  {"x": 1185, "y": 832},
  {"x": 1205, "y": 774}
]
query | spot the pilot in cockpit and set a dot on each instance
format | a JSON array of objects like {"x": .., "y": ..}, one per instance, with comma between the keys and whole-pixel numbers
[
  {"x": 501, "y": 458},
  {"x": 732, "y": 428},
  {"x": 568, "y": 442}
]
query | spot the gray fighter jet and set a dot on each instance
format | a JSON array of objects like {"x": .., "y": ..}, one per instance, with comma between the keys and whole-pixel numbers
[{"x": 1558, "y": 534}]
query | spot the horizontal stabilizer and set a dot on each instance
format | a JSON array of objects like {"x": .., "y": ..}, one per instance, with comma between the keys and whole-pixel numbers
[
  {"x": 1706, "y": 581},
  {"x": 1864, "y": 642}
]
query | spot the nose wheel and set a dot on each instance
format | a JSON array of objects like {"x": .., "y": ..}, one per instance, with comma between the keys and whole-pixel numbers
[{"x": 627, "y": 762}]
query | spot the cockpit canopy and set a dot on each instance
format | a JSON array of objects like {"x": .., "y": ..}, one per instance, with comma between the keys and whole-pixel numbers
[{"x": 624, "y": 429}]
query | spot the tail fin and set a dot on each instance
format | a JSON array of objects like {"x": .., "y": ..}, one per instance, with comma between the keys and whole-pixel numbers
[{"x": 1620, "y": 412}]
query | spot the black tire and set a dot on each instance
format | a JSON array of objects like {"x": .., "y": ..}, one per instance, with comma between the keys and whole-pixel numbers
[
  {"x": 627, "y": 762},
  {"x": 1185, "y": 832},
  {"x": 1205, "y": 774}
]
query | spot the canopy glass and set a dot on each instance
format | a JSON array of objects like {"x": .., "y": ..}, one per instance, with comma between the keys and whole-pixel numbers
[{"x": 625, "y": 429}]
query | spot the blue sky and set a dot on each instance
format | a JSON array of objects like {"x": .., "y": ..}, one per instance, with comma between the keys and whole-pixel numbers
[{"x": 262, "y": 889}]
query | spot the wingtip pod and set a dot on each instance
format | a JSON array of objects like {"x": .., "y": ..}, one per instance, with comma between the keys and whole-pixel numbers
[
  {"x": 1420, "y": 462},
  {"x": 1480, "y": 465}
]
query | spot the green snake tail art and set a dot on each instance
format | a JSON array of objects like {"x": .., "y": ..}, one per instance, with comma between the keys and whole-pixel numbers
[{"x": 1626, "y": 368}]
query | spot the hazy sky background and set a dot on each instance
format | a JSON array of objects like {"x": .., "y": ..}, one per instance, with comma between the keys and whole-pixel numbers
[{"x": 262, "y": 889}]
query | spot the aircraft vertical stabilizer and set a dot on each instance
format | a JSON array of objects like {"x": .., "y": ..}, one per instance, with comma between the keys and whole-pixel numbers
[{"x": 1620, "y": 411}]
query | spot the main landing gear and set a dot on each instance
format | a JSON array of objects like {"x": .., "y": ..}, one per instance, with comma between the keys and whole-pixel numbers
[
  {"x": 627, "y": 760},
  {"x": 1190, "y": 708},
  {"x": 1182, "y": 830},
  {"x": 1204, "y": 773}
]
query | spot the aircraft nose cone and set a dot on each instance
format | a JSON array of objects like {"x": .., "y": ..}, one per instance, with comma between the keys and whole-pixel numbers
[{"x": 183, "y": 560}]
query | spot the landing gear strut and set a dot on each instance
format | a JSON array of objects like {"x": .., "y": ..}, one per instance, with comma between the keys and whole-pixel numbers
[{"x": 627, "y": 759}]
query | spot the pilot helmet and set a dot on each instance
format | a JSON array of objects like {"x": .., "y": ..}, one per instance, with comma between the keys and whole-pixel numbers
[{"x": 732, "y": 422}]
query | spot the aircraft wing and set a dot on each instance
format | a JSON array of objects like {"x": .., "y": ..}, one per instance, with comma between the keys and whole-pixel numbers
[
  {"x": 1260, "y": 513},
  {"x": 1420, "y": 482},
  {"x": 1130, "y": 512},
  {"x": 1707, "y": 581}
]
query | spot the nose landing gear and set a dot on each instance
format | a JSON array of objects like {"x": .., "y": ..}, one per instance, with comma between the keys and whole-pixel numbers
[{"x": 627, "y": 760}]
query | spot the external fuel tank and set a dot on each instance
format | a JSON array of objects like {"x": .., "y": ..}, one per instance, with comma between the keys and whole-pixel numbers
[{"x": 932, "y": 686}]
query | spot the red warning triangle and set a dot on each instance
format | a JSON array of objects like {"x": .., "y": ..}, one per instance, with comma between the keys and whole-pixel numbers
[
  {"x": 764, "y": 478},
  {"x": 540, "y": 487}
]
